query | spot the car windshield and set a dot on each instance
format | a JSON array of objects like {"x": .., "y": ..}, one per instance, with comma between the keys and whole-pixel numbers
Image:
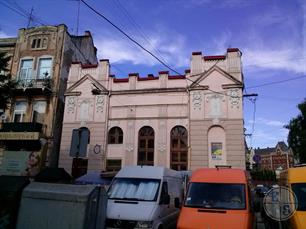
[
  {"x": 134, "y": 189},
  {"x": 299, "y": 190},
  {"x": 218, "y": 196}
]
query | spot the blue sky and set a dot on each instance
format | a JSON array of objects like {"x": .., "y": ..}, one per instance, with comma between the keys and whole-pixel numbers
[{"x": 271, "y": 35}]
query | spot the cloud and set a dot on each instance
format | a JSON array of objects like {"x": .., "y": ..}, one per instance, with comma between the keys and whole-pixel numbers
[
  {"x": 263, "y": 138},
  {"x": 285, "y": 58},
  {"x": 3, "y": 34},
  {"x": 258, "y": 54},
  {"x": 171, "y": 50},
  {"x": 268, "y": 122},
  {"x": 222, "y": 42}
]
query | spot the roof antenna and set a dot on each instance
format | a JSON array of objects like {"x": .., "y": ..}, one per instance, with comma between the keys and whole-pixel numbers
[
  {"x": 30, "y": 18},
  {"x": 78, "y": 18}
]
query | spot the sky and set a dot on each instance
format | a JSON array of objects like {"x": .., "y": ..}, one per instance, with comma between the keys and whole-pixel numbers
[{"x": 271, "y": 35}]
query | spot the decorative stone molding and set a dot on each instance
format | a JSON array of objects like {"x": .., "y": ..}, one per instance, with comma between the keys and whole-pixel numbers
[
  {"x": 234, "y": 98},
  {"x": 89, "y": 101},
  {"x": 197, "y": 100},
  {"x": 162, "y": 147},
  {"x": 215, "y": 104},
  {"x": 71, "y": 104},
  {"x": 129, "y": 147},
  {"x": 100, "y": 103}
]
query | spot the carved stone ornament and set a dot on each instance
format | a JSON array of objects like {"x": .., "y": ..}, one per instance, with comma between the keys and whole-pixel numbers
[
  {"x": 129, "y": 147},
  {"x": 88, "y": 101},
  {"x": 234, "y": 98},
  {"x": 99, "y": 103},
  {"x": 162, "y": 147},
  {"x": 97, "y": 149},
  {"x": 197, "y": 100},
  {"x": 71, "y": 104}
]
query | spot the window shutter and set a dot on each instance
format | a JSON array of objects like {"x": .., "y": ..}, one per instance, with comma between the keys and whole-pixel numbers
[
  {"x": 84, "y": 140},
  {"x": 74, "y": 147}
]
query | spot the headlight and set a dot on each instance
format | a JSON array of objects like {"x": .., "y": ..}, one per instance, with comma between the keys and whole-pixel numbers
[{"x": 144, "y": 224}]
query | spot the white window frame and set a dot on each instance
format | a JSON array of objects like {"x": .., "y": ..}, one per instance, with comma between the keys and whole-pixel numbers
[
  {"x": 31, "y": 75},
  {"x": 21, "y": 112},
  {"x": 38, "y": 66},
  {"x": 35, "y": 101}
]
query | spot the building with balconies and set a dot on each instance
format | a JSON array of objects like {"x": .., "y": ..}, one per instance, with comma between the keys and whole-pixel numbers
[{"x": 40, "y": 62}]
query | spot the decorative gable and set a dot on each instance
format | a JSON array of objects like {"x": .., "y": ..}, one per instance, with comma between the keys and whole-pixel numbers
[
  {"x": 87, "y": 84},
  {"x": 216, "y": 76}
]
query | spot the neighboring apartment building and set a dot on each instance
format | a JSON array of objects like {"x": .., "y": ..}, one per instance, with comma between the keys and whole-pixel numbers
[
  {"x": 182, "y": 122},
  {"x": 40, "y": 61},
  {"x": 279, "y": 157}
]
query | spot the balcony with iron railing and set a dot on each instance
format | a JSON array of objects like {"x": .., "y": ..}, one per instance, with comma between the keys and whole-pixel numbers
[{"x": 29, "y": 82}]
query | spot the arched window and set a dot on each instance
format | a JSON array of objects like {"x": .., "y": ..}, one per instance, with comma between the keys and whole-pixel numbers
[
  {"x": 179, "y": 148},
  {"x": 217, "y": 146},
  {"x": 146, "y": 146},
  {"x": 115, "y": 135}
]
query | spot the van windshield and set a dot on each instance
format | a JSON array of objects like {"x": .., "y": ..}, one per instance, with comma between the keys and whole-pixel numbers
[
  {"x": 216, "y": 196},
  {"x": 134, "y": 189},
  {"x": 299, "y": 190}
]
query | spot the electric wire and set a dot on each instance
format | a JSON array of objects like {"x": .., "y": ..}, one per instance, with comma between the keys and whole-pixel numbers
[
  {"x": 278, "y": 82},
  {"x": 129, "y": 37}
]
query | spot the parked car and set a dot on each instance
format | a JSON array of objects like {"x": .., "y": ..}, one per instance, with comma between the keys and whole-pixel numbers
[
  {"x": 144, "y": 197},
  {"x": 217, "y": 198}
]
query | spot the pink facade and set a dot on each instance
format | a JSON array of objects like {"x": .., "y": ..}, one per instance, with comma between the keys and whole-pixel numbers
[{"x": 182, "y": 122}]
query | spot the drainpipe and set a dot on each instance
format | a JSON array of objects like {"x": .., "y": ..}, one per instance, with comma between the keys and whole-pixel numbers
[{"x": 189, "y": 147}]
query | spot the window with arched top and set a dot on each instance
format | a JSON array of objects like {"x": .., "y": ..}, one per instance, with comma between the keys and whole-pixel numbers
[
  {"x": 179, "y": 148},
  {"x": 115, "y": 135},
  {"x": 145, "y": 146}
]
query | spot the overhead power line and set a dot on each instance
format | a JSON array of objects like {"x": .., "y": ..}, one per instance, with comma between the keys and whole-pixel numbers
[
  {"x": 129, "y": 37},
  {"x": 14, "y": 9},
  {"x": 278, "y": 82}
]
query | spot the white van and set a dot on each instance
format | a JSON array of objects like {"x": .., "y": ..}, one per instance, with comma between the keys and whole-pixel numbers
[{"x": 144, "y": 197}]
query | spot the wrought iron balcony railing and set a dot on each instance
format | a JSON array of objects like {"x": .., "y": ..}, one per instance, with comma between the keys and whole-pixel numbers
[
  {"x": 35, "y": 83},
  {"x": 21, "y": 127}
]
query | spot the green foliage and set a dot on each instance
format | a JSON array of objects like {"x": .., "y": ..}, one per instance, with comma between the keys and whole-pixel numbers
[
  {"x": 7, "y": 85},
  {"x": 297, "y": 133}
]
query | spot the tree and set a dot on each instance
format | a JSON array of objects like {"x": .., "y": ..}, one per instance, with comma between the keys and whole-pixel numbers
[
  {"x": 7, "y": 85},
  {"x": 297, "y": 133}
]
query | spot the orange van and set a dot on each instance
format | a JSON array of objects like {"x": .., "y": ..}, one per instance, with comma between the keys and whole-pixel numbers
[{"x": 217, "y": 198}]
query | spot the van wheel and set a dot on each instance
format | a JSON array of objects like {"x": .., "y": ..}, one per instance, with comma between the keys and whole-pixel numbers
[{"x": 160, "y": 227}]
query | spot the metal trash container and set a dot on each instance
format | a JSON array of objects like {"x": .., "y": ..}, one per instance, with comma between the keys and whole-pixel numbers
[
  {"x": 48, "y": 205},
  {"x": 10, "y": 195}
]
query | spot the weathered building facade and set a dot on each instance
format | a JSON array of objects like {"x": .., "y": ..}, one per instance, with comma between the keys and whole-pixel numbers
[
  {"x": 182, "y": 122},
  {"x": 279, "y": 157},
  {"x": 40, "y": 62}
]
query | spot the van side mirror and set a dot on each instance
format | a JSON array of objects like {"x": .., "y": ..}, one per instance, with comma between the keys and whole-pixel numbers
[{"x": 177, "y": 203}]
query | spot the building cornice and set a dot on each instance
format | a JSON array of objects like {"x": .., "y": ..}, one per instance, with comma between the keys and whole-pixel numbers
[{"x": 148, "y": 91}]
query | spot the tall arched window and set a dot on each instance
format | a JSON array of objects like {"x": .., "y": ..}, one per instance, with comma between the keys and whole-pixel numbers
[
  {"x": 217, "y": 146},
  {"x": 146, "y": 146},
  {"x": 115, "y": 135},
  {"x": 179, "y": 148}
]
